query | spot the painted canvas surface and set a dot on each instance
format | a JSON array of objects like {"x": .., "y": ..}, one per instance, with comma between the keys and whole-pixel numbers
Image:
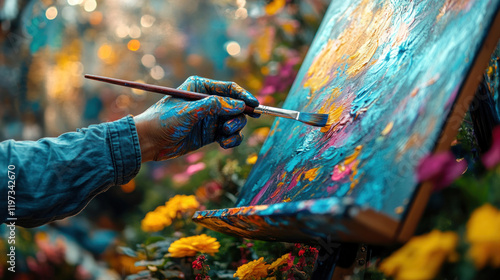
[{"x": 388, "y": 74}]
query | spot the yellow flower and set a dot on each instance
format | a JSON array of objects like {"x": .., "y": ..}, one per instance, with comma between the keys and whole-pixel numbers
[
  {"x": 155, "y": 221},
  {"x": 275, "y": 6},
  {"x": 182, "y": 203},
  {"x": 163, "y": 215},
  {"x": 189, "y": 246},
  {"x": 421, "y": 257},
  {"x": 483, "y": 230},
  {"x": 282, "y": 260},
  {"x": 252, "y": 158},
  {"x": 253, "y": 270}
]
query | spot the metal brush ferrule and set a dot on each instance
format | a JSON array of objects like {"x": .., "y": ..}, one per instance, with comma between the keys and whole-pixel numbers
[{"x": 278, "y": 112}]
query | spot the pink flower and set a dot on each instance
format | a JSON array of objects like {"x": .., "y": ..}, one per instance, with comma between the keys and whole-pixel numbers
[
  {"x": 492, "y": 157},
  {"x": 194, "y": 157},
  {"x": 441, "y": 169}
]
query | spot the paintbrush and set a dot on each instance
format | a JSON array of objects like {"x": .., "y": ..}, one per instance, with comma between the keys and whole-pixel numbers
[{"x": 307, "y": 118}]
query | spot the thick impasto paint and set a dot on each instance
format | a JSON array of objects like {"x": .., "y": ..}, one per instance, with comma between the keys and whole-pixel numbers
[{"x": 388, "y": 74}]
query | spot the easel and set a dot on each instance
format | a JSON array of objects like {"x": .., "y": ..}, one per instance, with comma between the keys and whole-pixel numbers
[{"x": 339, "y": 225}]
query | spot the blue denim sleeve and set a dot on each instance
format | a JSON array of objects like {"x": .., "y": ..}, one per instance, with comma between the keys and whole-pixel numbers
[{"x": 57, "y": 177}]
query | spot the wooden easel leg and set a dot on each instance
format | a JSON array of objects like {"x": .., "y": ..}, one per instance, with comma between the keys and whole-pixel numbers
[{"x": 339, "y": 261}]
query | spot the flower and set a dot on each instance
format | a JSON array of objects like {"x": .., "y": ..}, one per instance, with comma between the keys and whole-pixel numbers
[
  {"x": 189, "y": 246},
  {"x": 492, "y": 157},
  {"x": 209, "y": 192},
  {"x": 275, "y": 6},
  {"x": 182, "y": 203},
  {"x": 280, "y": 261},
  {"x": 441, "y": 169},
  {"x": 155, "y": 221},
  {"x": 163, "y": 215},
  {"x": 421, "y": 257},
  {"x": 483, "y": 230},
  {"x": 252, "y": 158},
  {"x": 253, "y": 270}
]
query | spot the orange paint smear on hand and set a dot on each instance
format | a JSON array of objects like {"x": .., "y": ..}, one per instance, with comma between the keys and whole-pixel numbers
[{"x": 355, "y": 47}]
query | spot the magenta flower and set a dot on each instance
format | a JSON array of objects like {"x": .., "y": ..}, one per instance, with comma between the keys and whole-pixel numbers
[
  {"x": 441, "y": 169},
  {"x": 492, "y": 157}
]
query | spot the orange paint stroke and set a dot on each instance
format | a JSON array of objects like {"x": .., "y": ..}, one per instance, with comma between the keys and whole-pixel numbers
[
  {"x": 333, "y": 109},
  {"x": 350, "y": 158},
  {"x": 369, "y": 27},
  {"x": 387, "y": 129},
  {"x": 311, "y": 174}
]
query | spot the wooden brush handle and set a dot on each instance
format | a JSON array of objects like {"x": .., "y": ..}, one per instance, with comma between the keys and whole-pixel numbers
[{"x": 158, "y": 89}]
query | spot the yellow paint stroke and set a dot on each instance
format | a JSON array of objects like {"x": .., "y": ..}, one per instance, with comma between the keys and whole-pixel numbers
[
  {"x": 354, "y": 47},
  {"x": 286, "y": 200},
  {"x": 311, "y": 174},
  {"x": 354, "y": 170},
  {"x": 331, "y": 108},
  {"x": 387, "y": 129},
  {"x": 350, "y": 158},
  {"x": 275, "y": 127}
]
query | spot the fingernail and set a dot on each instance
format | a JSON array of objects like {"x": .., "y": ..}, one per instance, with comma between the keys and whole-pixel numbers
[{"x": 231, "y": 124}]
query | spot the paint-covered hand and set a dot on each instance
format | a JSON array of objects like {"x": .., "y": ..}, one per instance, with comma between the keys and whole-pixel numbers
[{"x": 173, "y": 126}]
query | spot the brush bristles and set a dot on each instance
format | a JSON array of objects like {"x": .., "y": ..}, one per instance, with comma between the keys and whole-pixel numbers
[{"x": 313, "y": 119}]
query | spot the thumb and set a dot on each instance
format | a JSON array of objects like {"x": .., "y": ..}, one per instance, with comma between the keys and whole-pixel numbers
[{"x": 217, "y": 106}]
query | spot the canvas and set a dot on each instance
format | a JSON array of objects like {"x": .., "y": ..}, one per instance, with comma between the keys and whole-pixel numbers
[{"x": 395, "y": 78}]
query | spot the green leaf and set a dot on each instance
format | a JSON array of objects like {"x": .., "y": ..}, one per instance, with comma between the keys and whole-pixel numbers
[
  {"x": 172, "y": 274},
  {"x": 127, "y": 251},
  {"x": 154, "y": 239},
  {"x": 147, "y": 263}
]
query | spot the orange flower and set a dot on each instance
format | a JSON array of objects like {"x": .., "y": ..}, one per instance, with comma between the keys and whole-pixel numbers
[
  {"x": 181, "y": 203},
  {"x": 189, "y": 246},
  {"x": 253, "y": 270},
  {"x": 155, "y": 221},
  {"x": 483, "y": 230},
  {"x": 421, "y": 257},
  {"x": 280, "y": 261},
  {"x": 163, "y": 215},
  {"x": 275, "y": 6}
]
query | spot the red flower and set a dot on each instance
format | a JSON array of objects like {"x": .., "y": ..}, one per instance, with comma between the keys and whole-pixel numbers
[
  {"x": 301, "y": 252},
  {"x": 492, "y": 157},
  {"x": 441, "y": 169},
  {"x": 197, "y": 264}
]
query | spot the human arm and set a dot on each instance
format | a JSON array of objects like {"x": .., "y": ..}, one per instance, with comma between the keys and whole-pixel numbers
[{"x": 57, "y": 177}]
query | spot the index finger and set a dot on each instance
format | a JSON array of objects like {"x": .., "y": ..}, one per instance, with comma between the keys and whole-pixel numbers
[{"x": 221, "y": 88}]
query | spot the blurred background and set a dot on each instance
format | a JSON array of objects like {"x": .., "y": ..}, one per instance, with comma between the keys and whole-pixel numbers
[{"x": 47, "y": 46}]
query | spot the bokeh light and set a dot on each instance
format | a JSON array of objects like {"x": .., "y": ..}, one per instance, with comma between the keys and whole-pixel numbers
[
  {"x": 90, "y": 5},
  {"x": 134, "y": 32},
  {"x": 148, "y": 60},
  {"x": 51, "y": 13},
  {"x": 157, "y": 72},
  {"x": 75, "y": 2},
  {"x": 134, "y": 45},
  {"x": 122, "y": 31},
  {"x": 233, "y": 48},
  {"x": 147, "y": 20},
  {"x": 104, "y": 52}
]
